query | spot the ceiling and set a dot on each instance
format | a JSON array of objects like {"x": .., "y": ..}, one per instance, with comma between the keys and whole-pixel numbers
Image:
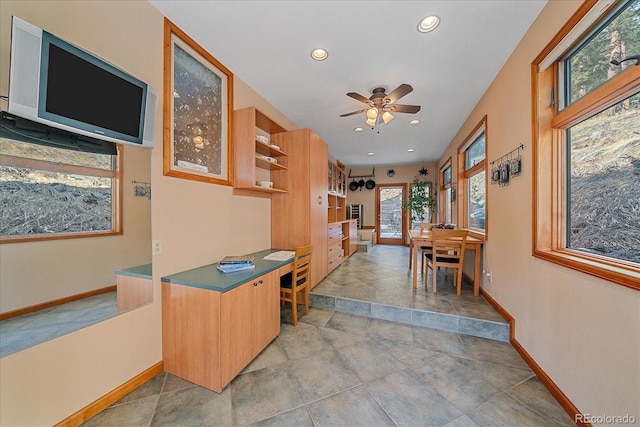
[{"x": 371, "y": 44}]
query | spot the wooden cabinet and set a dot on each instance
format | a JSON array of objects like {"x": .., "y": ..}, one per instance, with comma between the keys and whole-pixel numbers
[
  {"x": 299, "y": 217},
  {"x": 335, "y": 249},
  {"x": 208, "y": 337},
  {"x": 337, "y": 208},
  {"x": 337, "y": 178},
  {"x": 256, "y": 156},
  {"x": 134, "y": 287},
  {"x": 342, "y": 238}
]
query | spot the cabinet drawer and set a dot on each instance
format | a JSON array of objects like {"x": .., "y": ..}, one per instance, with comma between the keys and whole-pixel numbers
[
  {"x": 336, "y": 238},
  {"x": 335, "y": 229},
  {"x": 334, "y": 262},
  {"x": 334, "y": 248}
]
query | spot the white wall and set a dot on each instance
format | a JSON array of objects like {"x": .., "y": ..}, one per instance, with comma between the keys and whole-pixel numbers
[{"x": 584, "y": 332}]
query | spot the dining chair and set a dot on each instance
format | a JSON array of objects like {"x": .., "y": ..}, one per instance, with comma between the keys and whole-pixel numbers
[
  {"x": 448, "y": 251},
  {"x": 296, "y": 281},
  {"x": 424, "y": 250}
]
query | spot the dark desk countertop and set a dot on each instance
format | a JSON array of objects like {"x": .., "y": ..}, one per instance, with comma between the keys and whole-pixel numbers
[
  {"x": 142, "y": 271},
  {"x": 209, "y": 277}
]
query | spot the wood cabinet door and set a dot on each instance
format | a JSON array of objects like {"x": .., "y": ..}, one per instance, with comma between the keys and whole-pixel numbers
[
  {"x": 236, "y": 338},
  {"x": 265, "y": 311},
  {"x": 251, "y": 313},
  {"x": 318, "y": 176}
]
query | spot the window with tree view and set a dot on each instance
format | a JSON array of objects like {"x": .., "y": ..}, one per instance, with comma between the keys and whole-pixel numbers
[
  {"x": 603, "y": 174},
  {"x": 472, "y": 157},
  {"x": 48, "y": 192},
  {"x": 594, "y": 165}
]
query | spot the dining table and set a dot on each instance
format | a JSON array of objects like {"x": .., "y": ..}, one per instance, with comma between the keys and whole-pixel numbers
[{"x": 419, "y": 238}]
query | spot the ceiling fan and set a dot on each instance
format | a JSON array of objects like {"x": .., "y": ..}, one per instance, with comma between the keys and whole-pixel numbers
[{"x": 380, "y": 105}]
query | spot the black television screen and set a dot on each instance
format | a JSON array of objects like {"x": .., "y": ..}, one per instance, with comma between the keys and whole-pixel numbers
[
  {"x": 56, "y": 83},
  {"x": 79, "y": 90}
]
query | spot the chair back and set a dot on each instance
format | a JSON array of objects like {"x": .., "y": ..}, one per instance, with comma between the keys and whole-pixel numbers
[
  {"x": 302, "y": 266},
  {"x": 426, "y": 226},
  {"x": 448, "y": 247}
]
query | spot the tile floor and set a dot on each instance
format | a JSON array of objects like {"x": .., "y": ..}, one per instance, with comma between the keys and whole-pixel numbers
[
  {"x": 378, "y": 284},
  {"x": 343, "y": 369}
]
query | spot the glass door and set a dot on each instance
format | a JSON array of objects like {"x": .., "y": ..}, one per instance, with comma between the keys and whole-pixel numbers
[{"x": 390, "y": 217}]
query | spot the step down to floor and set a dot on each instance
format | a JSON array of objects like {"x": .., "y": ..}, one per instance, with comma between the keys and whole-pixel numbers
[
  {"x": 363, "y": 245},
  {"x": 498, "y": 331}
]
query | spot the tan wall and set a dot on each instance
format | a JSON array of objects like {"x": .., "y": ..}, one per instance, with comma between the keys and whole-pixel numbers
[
  {"x": 198, "y": 224},
  {"x": 405, "y": 174},
  {"x": 38, "y": 272},
  {"x": 584, "y": 332}
]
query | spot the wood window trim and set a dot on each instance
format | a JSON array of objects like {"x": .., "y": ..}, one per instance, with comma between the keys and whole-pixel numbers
[
  {"x": 442, "y": 197},
  {"x": 464, "y": 175},
  {"x": 549, "y": 165},
  {"x": 116, "y": 196}
]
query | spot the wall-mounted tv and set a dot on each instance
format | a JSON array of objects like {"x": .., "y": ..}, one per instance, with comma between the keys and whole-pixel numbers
[{"x": 56, "y": 83}]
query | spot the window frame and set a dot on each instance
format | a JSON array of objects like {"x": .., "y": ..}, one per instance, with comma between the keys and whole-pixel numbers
[
  {"x": 464, "y": 176},
  {"x": 116, "y": 194},
  {"x": 549, "y": 159},
  {"x": 444, "y": 186}
]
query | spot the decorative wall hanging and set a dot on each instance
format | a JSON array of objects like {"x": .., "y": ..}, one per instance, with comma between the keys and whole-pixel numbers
[
  {"x": 507, "y": 166},
  {"x": 369, "y": 184},
  {"x": 141, "y": 189},
  {"x": 198, "y": 106}
]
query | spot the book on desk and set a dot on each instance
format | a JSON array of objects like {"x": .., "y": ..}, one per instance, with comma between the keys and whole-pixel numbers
[
  {"x": 232, "y": 268},
  {"x": 236, "y": 259}
]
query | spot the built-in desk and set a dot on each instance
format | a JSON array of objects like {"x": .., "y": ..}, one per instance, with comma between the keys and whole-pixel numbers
[{"x": 214, "y": 324}]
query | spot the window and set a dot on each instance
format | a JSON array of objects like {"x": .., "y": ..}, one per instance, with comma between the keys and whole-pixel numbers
[
  {"x": 446, "y": 193},
  {"x": 472, "y": 181},
  {"x": 587, "y": 151},
  {"x": 51, "y": 193}
]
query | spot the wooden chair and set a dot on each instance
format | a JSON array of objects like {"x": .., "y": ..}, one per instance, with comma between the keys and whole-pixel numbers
[
  {"x": 448, "y": 251},
  {"x": 424, "y": 250},
  {"x": 299, "y": 280}
]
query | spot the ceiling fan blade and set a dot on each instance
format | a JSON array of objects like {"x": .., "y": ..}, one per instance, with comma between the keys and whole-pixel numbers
[
  {"x": 397, "y": 108},
  {"x": 352, "y": 113},
  {"x": 398, "y": 93},
  {"x": 358, "y": 97}
]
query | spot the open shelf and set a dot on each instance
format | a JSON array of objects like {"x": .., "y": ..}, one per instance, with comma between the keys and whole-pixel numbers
[{"x": 249, "y": 164}]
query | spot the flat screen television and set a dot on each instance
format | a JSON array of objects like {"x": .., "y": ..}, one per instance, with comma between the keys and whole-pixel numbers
[{"x": 58, "y": 84}]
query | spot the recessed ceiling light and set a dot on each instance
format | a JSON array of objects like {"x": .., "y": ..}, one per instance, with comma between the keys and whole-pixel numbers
[
  {"x": 358, "y": 129},
  {"x": 370, "y": 154},
  {"x": 414, "y": 122},
  {"x": 411, "y": 150},
  {"x": 428, "y": 24},
  {"x": 319, "y": 54}
]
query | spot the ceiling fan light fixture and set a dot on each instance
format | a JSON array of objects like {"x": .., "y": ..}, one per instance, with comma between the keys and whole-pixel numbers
[
  {"x": 372, "y": 113},
  {"x": 428, "y": 24},
  {"x": 370, "y": 122},
  {"x": 387, "y": 117},
  {"x": 319, "y": 54}
]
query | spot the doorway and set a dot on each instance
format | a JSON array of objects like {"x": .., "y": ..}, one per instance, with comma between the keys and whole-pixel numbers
[{"x": 390, "y": 217}]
